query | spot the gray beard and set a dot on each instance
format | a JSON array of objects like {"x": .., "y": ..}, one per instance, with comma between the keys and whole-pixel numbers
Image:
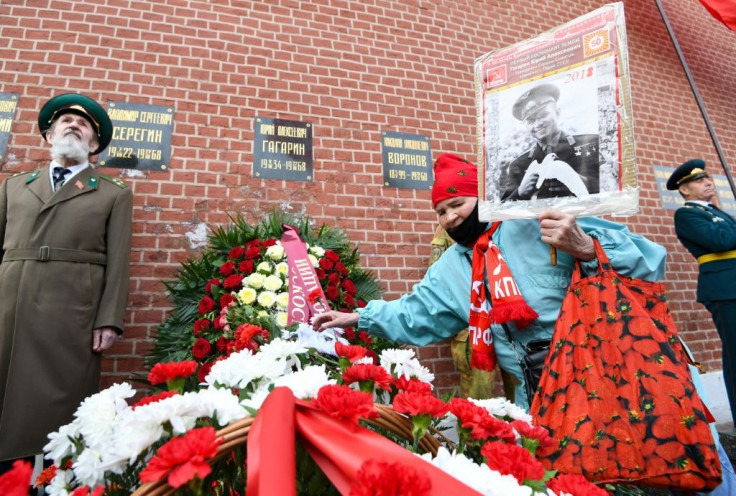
[{"x": 70, "y": 148}]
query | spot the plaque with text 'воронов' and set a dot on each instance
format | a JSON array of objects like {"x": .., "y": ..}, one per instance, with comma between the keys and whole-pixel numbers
[
  {"x": 407, "y": 160},
  {"x": 282, "y": 150},
  {"x": 8, "y": 104},
  {"x": 141, "y": 136}
]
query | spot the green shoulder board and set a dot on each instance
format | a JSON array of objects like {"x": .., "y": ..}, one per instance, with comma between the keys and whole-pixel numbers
[{"x": 117, "y": 182}]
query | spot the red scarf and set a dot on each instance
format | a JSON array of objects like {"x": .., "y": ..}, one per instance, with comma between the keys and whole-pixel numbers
[{"x": 507, "y": 303}]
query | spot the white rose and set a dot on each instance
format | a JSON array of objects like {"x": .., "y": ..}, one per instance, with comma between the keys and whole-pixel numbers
[
  {"x": 273, "y": 283},
  {"x": 275, "y": 252},
  {"x": 256, "y": 280},
  {"x": 282, "y": 269},
  {"x": 247, "y": 295},
  {"x": 266, "y": 299},
  {"x": 317, "y": 251},
  {"x": 282, "y": 318},
  {"x": 282, "y": 300},
  {"x": 314, "y": 260},
  {"x": 264, "y": 268}
]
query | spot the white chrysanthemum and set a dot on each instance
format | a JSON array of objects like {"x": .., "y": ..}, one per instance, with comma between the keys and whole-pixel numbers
[
  {"x": 97, "y": 413},
  {"x": 87, "y": 468},
  {"x": 393, "y": 360},
  {"x": 257, "y": 397},
  {"x": 59, "y": 485},
  {"x": 247, "y": 295},
  {"x": 501, "y": 407},
  {"x": 323, "y": 341},
  {"x": 243, "y": 369},
  {"x": 478, "y": 477},
  {"x": 307, "y": 382},
  {"x": 222, "y": 405},
  {"x": 266, "y": 299},
  {"x": 414, "y": 369},
  {"x": 282, "y": 300},
  {"x": 275, "y": 253},
  {"x": 282, "y": 269},
  {"x": 282, "y": 318},
  {"x": 279, "y": 349},
  {"x": 313, "y": 259},
  {"x": 60, "y": 444},
  {"x": 317, "y": 251},
  {"x": 264, "y": 268},
  {"x": 273, "y": 283},
  {"x": 255, "y": 280},
  {"x": 136, "y": 431}
]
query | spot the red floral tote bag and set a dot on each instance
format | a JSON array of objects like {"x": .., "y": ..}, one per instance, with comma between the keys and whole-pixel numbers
[{"x": 617, "y": 391}]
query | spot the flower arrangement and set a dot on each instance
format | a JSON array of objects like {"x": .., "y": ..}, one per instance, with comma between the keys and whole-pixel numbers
[
  {"x": 113, "y": 448},
  {"x": 236, "y": 294}
]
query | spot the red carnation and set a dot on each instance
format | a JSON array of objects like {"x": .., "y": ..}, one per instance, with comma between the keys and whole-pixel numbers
[
  {"x": 46, "y": 476},
  {"x": 332, "y": 256},
  {"x": 413, "y": 385},
  {"x": 349, "y": 333},
  {"x": 233, "y": 282},
  {"x": 313, "y": 296},
  {"x": 510, "y": 459},
  {"x": 332, "y": 293},
  {"x": 236, "y": 253},
  {"x": 352, "y": 353},
  {"x": 147, "y": 400},
  {"x": 183, "y": 458},
  {"x": 413, "y": 404},
  {"x": 17, "y": 480},
  {"x": 227, "y": 268},
  {"x": 370, "y": 375},
  {"x": 201, "y": 325},
  {"x": 84, "y": 491},
  {"x": 345, "y": 403},
  {"x": 349, "y": 286},
  {"x": 382, "y": 478},
  {"x": 245, "y": 333},
  {"x": 575, "y": 484},
  {"x": 365, "y": 337},
  {"x": 210, "y": 283},
  {"x": 252, "y": 253},
  {"x": 227, "y": 298},
  {"x": 206, "y": 305},
  {"x": 326, "y": 264},
  {"x": 246, "y": 267},
  {"x": 537, "y": 433},
  {"x": 164, "y": 372},
  {"x": 201, "y": 349}
]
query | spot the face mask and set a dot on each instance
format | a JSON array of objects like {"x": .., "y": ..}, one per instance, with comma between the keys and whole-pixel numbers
[{"x": 467, "y": 232}]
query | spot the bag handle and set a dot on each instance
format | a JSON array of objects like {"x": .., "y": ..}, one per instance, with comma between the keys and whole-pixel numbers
[{"x": 604, "y": 263}]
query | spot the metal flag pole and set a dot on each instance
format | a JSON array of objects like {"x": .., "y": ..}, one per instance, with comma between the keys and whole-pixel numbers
[{"x": 701, "y": 106}]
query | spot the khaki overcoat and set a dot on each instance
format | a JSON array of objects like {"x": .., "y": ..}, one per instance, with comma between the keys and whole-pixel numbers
[{"x": 64, "y": 272}]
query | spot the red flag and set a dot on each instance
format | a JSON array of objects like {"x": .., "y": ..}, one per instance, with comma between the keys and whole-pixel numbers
[{"x": 723, "y": 10}]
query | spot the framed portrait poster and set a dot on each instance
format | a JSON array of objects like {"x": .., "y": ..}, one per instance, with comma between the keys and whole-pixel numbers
[{"x": 554, "y": 122}]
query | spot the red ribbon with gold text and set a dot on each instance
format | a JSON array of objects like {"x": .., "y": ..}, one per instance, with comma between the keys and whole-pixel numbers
[
  {"x": 303, "y": 281},
  {"x": 339, "y": 448},
  {"x": 506, "y": 302}
]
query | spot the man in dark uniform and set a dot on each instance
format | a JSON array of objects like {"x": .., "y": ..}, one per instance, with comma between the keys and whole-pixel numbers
[
  {"x": 65, "y": 231},
  {"x": 558, "y": 164},
  {"x": 709, "y": 234}
]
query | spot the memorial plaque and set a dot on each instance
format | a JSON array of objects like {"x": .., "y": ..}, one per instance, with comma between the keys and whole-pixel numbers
[
  {"x": 141, "y": 136},
  {"x": 8, "y": 104},
  {"x": 672, "y": 200},
  {"x": 282, "y": 149},
  {"x": 407, "y": 160}
]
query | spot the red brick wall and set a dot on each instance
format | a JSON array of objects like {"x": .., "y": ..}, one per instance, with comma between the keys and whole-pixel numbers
[{"x": 353, "y": 69}]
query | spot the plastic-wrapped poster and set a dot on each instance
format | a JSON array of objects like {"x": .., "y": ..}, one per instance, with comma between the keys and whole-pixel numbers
[{"x": 554, "y": 122}]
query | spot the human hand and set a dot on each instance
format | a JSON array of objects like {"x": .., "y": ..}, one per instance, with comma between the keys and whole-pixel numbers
[
  {"x": 529, "y": 182},
  {"x": 333, "y": 318},
  {"x": 561, "y": 230},
  {"x": 103, "y": 338}
]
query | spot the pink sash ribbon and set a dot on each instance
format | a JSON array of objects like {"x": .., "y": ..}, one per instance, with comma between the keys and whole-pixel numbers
[{"x": 303, "y": 281}]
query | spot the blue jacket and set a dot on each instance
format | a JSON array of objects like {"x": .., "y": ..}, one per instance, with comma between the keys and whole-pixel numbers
[{"x": 439, "y": 305}]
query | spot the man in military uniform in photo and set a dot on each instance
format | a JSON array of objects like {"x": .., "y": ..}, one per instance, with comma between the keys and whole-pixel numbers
[
  {"x": 64, "y": 278},
  {"x": 557, "y": 164},
  {"x": 709, "y": 234}
]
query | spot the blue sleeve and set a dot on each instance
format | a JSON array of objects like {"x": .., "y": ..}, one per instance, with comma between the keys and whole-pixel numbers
[
  {"x": 630, "y": 254},
  {"x": 437, "y": 307}
]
